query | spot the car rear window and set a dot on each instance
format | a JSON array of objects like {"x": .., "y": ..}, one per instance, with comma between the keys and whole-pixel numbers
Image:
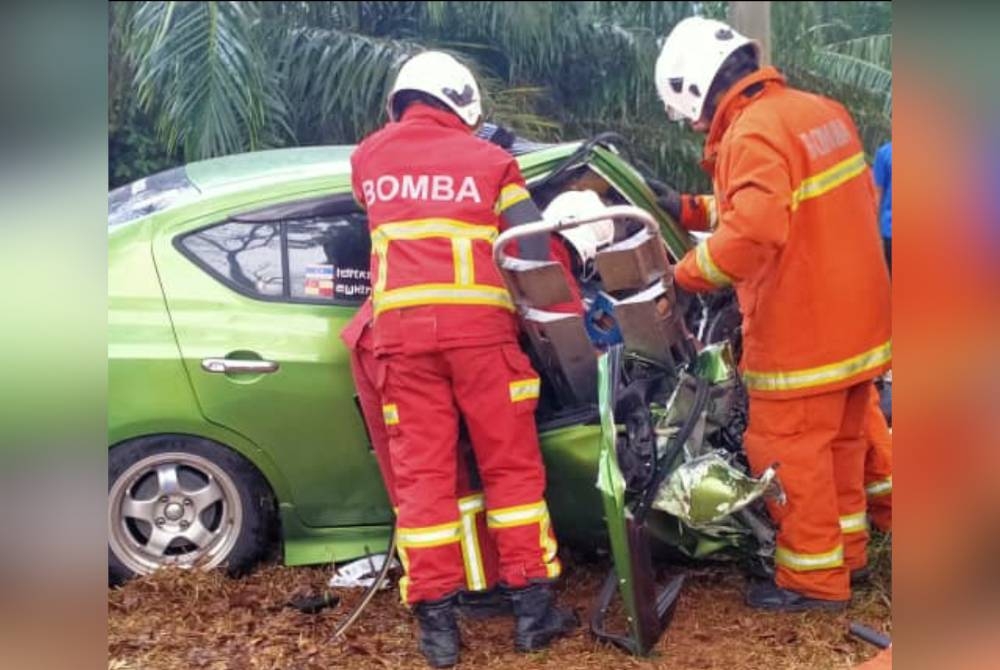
[{"x": 149, "y": 195}]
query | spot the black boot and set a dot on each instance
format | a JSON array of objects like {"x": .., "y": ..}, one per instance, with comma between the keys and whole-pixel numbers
[
  {"x": 770, "y": 596},
  {"x": 538, "y": 620},
  {"x": 484, "y": 604},
  {"x": 439, "y": 639}
]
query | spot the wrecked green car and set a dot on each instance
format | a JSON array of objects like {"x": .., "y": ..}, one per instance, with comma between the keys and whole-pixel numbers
[{"x": 232, "y": 422}]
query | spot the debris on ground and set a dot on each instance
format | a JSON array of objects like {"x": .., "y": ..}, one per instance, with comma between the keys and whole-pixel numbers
[{"x": 185, "y": 619}]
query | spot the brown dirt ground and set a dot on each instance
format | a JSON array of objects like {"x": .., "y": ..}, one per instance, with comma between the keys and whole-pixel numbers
[{"x": 177, "y": 619}]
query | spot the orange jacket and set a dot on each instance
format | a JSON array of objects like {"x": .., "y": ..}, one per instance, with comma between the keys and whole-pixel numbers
[
  {"x": 435, "y": 195},
  {"x": 797, "y": 237}
]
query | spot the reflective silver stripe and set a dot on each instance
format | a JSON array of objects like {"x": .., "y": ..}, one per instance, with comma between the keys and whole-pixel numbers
[
  {"x": 709, "y": 270},
  {"x": 442, "y": 294},
  {"x": 824, "y": 374},
  {"x": 461, "y": 250},
  {"x": 423, "y": 228},
  {"x": 854, "y": 523},
  {"x": 807, "y": 562},
  {"x": 475, "y": 573},
  {"x": 431, "y": 536},
  {"x": 521, "y": 515},
  {"x": 473, "y": 503},
  {"x": 879, "y": 488},
  {"x": 525, "y": 389}
]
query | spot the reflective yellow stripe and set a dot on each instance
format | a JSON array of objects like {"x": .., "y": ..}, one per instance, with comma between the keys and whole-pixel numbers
[
  {"x": 404, "y": 581},
  {"x": 430, "y": 536},
  {"x": 553, "y": 568},
  {"x": 854, "y": 523},
  {"x": 807, "y": 562},
  {"x": 709, "y": 270},
  {"x": 442, "y": 294},
  {"x": 510, "y": 195},
  {"x": 879, "y": 488},
  {"x": 472, "y": 557},
  {"x": 825, "y": 374},
  {"x": 419, "y": 229},
  {"x": 461, "y": 250},
  {"x": 391, "y": 414},
  {"x": 382, "y": 252},
  {"x": 519, "y": 515},
  {"x": 827, "y": 180},
  {"x": 712, "y": 213},
  {"x": 525, "y": 389}
]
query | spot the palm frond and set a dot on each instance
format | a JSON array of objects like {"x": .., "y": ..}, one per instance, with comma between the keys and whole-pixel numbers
[
  {"x": 853, "y": 71},
  {"x": 875, "y": 49},
  {"x": 339, "y": 80},
  {"x": 201, "y": 73}
]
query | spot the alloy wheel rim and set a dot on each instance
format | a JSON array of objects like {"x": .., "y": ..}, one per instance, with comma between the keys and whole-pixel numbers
[{"x": 173, "y": 509}]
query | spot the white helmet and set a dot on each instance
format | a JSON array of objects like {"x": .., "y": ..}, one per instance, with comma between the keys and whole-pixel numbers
[
  {"x": 442, "y": 77},
  {"x": 690, "y": 58},
  {"x": 588, "y": 238}
]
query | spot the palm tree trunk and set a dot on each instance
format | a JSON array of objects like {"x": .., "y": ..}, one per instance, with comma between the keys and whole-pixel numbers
[{"x": 753, "y": 19}]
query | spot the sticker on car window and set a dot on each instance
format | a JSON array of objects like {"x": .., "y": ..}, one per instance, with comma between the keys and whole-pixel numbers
[{"x": 319, "y": 281}]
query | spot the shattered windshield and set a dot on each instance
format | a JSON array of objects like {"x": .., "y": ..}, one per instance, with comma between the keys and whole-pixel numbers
[{"x": 149, "y": 195}]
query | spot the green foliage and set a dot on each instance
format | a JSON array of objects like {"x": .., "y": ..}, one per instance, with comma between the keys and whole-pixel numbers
[{"x": 193, "y": 80}]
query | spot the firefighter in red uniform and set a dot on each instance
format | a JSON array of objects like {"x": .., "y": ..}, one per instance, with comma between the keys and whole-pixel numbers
[
  {"x": 445, "y": 336},
  {"x": 481, "y": 597},
  {"x": 797, "y": 239}
]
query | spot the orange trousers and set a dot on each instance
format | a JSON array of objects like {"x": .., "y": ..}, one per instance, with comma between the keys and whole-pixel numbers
[
  {"x": 819, "y": 445},
  {"x": 479, "y": 552},
  {"x": 495, "y": 390},
  {"x": 878, "y": 466}
]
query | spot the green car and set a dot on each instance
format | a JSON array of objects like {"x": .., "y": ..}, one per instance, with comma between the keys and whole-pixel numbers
[{"x": 233, "y": 426}]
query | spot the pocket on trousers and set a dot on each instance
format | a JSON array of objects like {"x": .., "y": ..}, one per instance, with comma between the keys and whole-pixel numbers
[
  {"x": 777, "y": 417},
  {"x": 390, "y": 411},
  {"x": 523, "y": 383}
]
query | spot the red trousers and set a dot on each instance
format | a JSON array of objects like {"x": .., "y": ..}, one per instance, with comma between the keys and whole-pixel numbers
[
  {"x": 819, "y": 443},
  {"x": 878, "y": 466},
  {"x": 479, "y": 554},
  {"x": 496, "y": 391}
]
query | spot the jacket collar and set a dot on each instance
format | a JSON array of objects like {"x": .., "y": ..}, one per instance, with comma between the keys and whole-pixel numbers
[
  {"x": 730, "y": 106},
  {"x": 425, "y": 114}
]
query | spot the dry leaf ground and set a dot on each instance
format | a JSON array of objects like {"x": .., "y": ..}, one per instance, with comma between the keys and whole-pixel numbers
[{"x": 175, "y": 620}]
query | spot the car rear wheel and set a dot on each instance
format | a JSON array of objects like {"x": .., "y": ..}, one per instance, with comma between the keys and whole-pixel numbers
[{"x": 186, "y": 502}]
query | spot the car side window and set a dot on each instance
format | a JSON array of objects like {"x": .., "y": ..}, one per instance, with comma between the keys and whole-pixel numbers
[
  {"x": 246, "y": 256},
  {"x": 329, "y": 257},
  {"x": 314, "y": 259}
]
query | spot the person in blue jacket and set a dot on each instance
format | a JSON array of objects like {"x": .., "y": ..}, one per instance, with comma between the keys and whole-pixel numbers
[{"x": 883, "y": 180}]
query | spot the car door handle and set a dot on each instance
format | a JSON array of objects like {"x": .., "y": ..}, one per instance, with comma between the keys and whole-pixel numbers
[{"x": 230, "y": 365}]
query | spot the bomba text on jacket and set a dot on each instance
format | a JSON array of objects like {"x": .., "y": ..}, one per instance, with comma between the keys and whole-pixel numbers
[{"x": 437, "y": 188}]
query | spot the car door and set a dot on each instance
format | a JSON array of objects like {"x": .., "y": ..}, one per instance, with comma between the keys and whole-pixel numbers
[{"x": 257, "y": 304}]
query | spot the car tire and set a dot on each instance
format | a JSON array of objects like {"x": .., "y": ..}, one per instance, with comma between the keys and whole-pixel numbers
[{"x": 184, "y": 501}]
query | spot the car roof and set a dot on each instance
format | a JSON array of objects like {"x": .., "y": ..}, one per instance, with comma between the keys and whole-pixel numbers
[
  {"x": 191, "y": 182},
  {"x": 213, "y": 173}
]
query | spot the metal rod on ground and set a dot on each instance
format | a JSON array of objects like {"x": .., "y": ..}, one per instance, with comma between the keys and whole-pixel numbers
[
  {"x": 870, "y": 636},
  {"x": 370, "y": 593}
]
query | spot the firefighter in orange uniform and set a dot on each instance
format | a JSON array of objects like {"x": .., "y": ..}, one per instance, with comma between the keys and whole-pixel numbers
[
  {"x": 445, "y": 336},
  {"x": 797, "y": 239},
  {"x": 698, "y": 213}
]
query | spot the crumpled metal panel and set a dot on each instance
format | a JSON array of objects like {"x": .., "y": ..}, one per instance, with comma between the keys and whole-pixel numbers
[{"x": 707, "y": 489}]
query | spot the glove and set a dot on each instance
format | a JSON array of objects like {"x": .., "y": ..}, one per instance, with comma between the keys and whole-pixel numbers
[{"x": 667, "y": 198}]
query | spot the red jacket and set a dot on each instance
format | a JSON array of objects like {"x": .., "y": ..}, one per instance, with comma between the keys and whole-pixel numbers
[
  {"x": 435, "y": 194},
  {"x": 797, "y": 237}
]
